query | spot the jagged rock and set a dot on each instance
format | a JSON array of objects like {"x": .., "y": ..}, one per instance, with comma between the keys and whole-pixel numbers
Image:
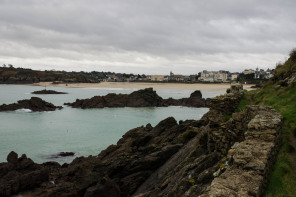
[
  {"x": 213, "y": 156},
  {"x": 250, "y": 160},
  {"x": 105, "y": 189},
  {"x": 141, "y": 98},
  {"x": 20, "y": 174},
  {"x": 12, "y": 157},
  {"x": 34, "y": 104},
  {"x": 235, "y": 89},
  {"x": 225, "y": 103}
]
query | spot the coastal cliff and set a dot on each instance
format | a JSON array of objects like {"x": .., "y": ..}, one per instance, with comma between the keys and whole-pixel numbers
[{"x": 189, "y": 158}]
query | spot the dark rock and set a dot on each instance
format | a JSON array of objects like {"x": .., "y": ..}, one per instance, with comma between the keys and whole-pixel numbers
[
  {"x": 48, "y": 92},
  {"x": 191, "y": 158},
  {"x": 20, "y": 174},
  {"x": 141, "y": 98},
  {"x": 12, "y": 157},
  {"x": 196, "y": 93},
  {"x": 107, "y": 188},
  {"x": 65, "y": 154},
  {"x": 34, "y": 104},
  {"x": 62, "y": 154}
]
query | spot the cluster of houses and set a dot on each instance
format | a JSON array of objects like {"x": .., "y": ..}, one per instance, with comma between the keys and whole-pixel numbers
[{"x": 204, "y": 76}]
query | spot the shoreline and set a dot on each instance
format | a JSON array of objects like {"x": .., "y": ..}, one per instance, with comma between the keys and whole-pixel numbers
[{"x": 140, "y": 85}]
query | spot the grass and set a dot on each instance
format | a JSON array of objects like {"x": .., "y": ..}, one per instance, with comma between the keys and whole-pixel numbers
[
  {"x": 282, "y": 179},
  {"x": 244, "y": 102}
]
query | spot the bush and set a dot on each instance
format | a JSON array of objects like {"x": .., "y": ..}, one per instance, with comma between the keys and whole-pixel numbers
[{"x": 293, "y": 54}]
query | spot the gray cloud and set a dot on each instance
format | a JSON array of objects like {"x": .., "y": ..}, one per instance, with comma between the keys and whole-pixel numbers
[{"x": 146, "y": 36}]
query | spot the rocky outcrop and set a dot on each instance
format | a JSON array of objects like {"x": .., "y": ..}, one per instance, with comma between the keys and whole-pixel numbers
[
  {"x": 212, "y": 156},
  {"x": 141, "y": 98},
  {"x": 48, "y": 92},
  {"x": 229, "y": 102},
  {"x": 20, "y": 174},
  {"x": 34, "y": 104},
  {"x": 249, "y": 162}
]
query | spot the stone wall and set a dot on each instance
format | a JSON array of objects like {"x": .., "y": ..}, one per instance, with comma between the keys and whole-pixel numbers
[
  {"x": 229, "y": 102},
  {"x": 249, "y": 162}
]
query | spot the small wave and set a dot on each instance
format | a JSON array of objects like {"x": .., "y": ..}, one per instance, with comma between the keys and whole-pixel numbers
[{"x": 24, "y": 110}]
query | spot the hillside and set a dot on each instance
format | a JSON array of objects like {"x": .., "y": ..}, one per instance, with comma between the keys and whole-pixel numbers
[
  {"x": 280, "y": 94},
  {"x": 11, "y": 75}
]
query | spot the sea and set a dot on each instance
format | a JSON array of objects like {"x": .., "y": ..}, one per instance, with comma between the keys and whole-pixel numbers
[{"x": 41, "y": 135}]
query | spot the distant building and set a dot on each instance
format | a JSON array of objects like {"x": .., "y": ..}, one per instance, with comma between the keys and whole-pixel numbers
[
  {"x": 112, "y": 77},
  {"x": 214, "y": 76},
  {"x": 179, "y": 78},
  {"x": 234, "y": 76},
  {"x": 248, "y": 71},
  {"x": 157, "y": 77}
]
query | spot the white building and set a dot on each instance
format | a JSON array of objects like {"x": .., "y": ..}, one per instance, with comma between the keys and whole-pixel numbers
[
  {"x": 214, "y": 76},
  {"x": 234, "y": 76},
  {"x": 157, "y": 77},
  {"x": 248, "y": 71}
]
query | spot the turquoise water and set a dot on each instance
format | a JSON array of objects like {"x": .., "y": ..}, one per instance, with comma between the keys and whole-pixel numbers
[{"x": 85, "y": 132}]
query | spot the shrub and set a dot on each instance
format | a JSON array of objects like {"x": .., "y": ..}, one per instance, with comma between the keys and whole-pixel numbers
[{"x": 293, "y": 54}]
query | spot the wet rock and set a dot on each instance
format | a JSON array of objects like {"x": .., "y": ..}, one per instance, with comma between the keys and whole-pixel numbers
[
  {"x": 66, "y": 154},
  {"x": 62, "y": 154},
  {"x": 48, "y": 92}
]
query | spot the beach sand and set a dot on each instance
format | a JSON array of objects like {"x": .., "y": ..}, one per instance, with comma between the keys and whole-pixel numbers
[{"x": 182, "y": 86}]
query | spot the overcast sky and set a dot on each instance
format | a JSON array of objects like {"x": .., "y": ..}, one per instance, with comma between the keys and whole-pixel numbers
[{"x": 146, "y": 36}]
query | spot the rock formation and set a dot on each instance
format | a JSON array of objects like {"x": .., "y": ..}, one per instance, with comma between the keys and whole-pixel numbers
[
  {"x": 141, "y": 98},
  {"x": 212, "y": 156},
  {"x": 48, "y": 92},
  {"x": 20, "y": 174},
  {"x": 249, "y": 162},
  {"x": 34, "y": 104},
  {"x": 62, "y": 154}
]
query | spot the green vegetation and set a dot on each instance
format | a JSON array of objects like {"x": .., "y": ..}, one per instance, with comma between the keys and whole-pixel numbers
[
  {"x": 11, "y": 75},
  {"x": 282, "y": 180},
  {"x": 243, "y": 103},
  {"x": 281, "y": 95}
]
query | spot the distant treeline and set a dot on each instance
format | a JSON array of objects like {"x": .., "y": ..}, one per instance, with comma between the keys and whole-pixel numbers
[{"x": 11, "y": 75}]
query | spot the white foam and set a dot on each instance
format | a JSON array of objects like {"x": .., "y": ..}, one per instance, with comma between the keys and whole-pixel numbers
[{"x": 24, "y": 110}]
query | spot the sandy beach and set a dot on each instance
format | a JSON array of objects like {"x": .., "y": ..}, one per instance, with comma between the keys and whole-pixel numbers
[{"x": 182, "y": 86}]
